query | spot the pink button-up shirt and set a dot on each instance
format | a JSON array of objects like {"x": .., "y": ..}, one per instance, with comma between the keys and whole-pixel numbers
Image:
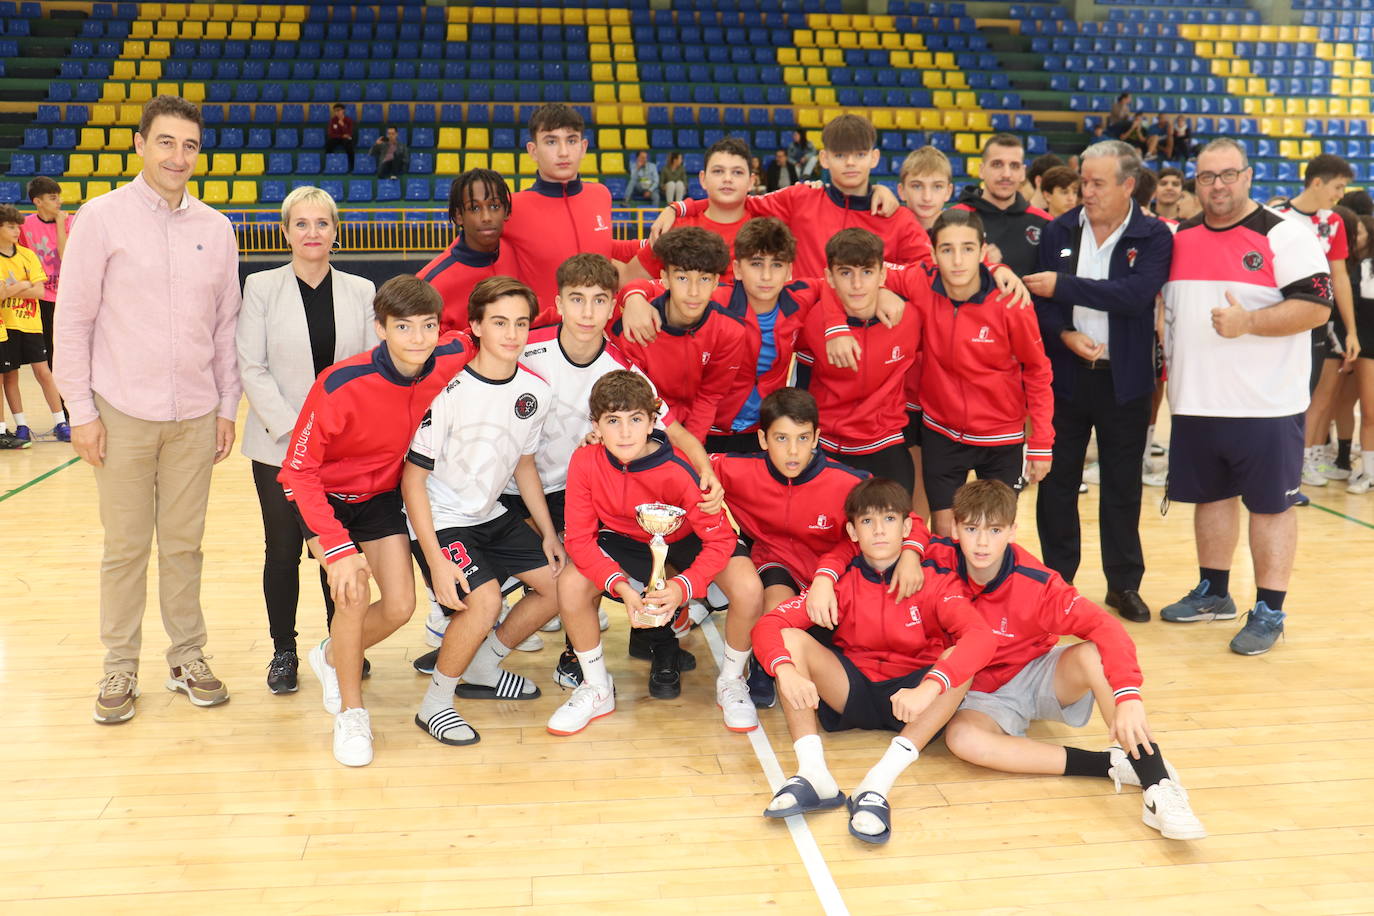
[{"x": 147, "y": 309}]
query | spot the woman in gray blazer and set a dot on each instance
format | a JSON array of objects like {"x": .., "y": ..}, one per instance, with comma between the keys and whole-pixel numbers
[{"x": 296, "y": 321}]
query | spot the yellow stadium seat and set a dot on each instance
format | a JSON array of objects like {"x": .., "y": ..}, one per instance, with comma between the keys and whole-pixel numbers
[
  {"x": 166, "y": 28},
  {"x": 193, "y": 92},
  {"x": 930, "y": 119},
  {"x": 607, "y": 114},
  {"x": 1293, "y": 127},
  {"x": 503, "y": 163},
  {"x": 825, "y": 38},
  {"x": 626, "y": 73},
  {"x": 478, "y": 138},
  {"x": 636, "y": 138},
  {"x": 621, "y": 34},
  {"x": 113, "y": 92},
  {"x": 801, "y": 95},
  {"x": 103, "y": 114},
  {"x": 481, "y": 15},
  {"x": 629, "y": 92},
  {"x": 265, "y": 31},
  {"x": 603, "y": 92},
  {"x": 952, "y": 120},
  {"x": 168, "y": 89},
  {"x": 794, "y": 76},
  {"x": 922, "y": 60},
  {"x": 966, "y": 100},
  {"x": 1359, "y": 106},
  {"x": 832, "y": 57},
  {"x": 140, "y": 29},
  {"x": 913, "y": 41},
  {"x": 955, "y": 79},
  {"x": 1272, "y": 106},
  {"x": 202, "y": 164},
  {"x": 240, "y": 30},
  {"x": 130, "y": 114},
  {"x": 808, "y": 118},
  {"x": 816, "y": 76},
  {"x": 945, "y": 60},
  {"x": 447, "y": 163},
  {"x": 883, "y": 118},
  {"x": 71, "y": 191},
  {"x": 1338, "y": 107},
  {"x": 1290, "y": 149},
  {"x": 198, "y": 11},
  {"x": 609, "y": 138},
  {"x": 246, "y": 12},
  {"x": 289, "y": 31},
  {"x": 869, "y": 40},
  {"x": 456, "y": 31},
  {"x": 980, "y": 121},
  {"x": 824, "y": 95},
  {"x": 133, "y": 50},
  {"x": 603, "y": 73},
  {"x": 966, "y": 143},
  {"x": 245, "y": 192},
  {"x": 251, "y": 164},
  {"x": 1363, "y": 68},
  {"x": 450, "y": 138},
  {"x": 133, "y": 164},
  {"x": 632, "y": 114},
  {"x": 899, "y": 59},
  {"x": 624, "y": 53},
  {"x": 215, "y": 192},
  {"x": 848, "y": 40},
  {"x": 942, "y": 98},
  {"x": 216, "y": 31},
  {"x": 525, "y": 165},
  {"x": 598, "y": 34},
  {"x": 79, "y": 165},
  {"x": 159, "y": 50},
  {"x": 613, "y": 164},
  {"x": 193, "y": 188},
  {"x": 788, "y": 57},
  {"x": 1311, "y": 148},
  {"x": 96, "y": 188},
  {"x": 109, "y": 164},
  {"x": 92, "y": 138},
  {"x": 933, "y": 79},
  {"x": 891, "y": 40},
  {"x": 906, "y": 119},
  {"x": 599, "y": 53},
  {"x": 121, "y": 139},
  {"x": 804, "y": 38},
  {"x": 123, "y": 70},
  {"x": 223, "y": 164},
  {"x": 973, "y": 165},
  {"x": 810, "y": 57},
  {"x": 267, "y": 12},
  {"x": 1359, "y": 87},
  {"x": 140, "y": 92},
  {"x": 1230, "y": 32},
  {"x": 1234, "y": 85}
]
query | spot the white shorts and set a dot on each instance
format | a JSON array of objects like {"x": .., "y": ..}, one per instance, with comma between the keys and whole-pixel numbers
[{"x": 1030, "y": 696}]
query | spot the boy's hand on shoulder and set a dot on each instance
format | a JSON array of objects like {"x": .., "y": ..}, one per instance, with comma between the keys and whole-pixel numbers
[
  {"x": 1130, "y": 728},
  {"x": 843, "y": 352},
  {"x": 799, "y": 692},
  {"x": 712, "y": 493},
  {"x": 907, "y": 575},
  {"x": 820, "y": 603},
  {"x": 1010, "y": 285},
  {"x": 884, "y": 202},
  {"x": 639, "y": 320},
  {"x": 666, "y": 217},
  {"x": 891, "y": 307}
]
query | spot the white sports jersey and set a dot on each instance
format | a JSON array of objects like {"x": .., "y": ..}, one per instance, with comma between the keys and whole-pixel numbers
[
  {"x": 568, "y": 422},
  {"x": 1262, "y": 260},
  {"x": 471, "y": 440}
]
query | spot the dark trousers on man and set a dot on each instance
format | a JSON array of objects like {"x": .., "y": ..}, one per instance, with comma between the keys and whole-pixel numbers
[{"x": 1121, "y": 433}]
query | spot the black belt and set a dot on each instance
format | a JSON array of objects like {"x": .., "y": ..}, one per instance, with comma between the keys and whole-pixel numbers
[{"x": 1102, "y": 364}]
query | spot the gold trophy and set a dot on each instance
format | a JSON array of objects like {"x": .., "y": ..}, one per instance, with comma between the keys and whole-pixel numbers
[{"x": 657, "y": 519}]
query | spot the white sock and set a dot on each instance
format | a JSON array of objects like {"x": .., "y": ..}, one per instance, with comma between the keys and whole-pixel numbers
[
  {"x": 20, "y": 420},
  {"x": 485, "y": 667},
  {"x": 58, "y": 417},
  {"x": 900, "y": 754},
  {"x": 811, "y": 767},
  {"x": 594, "y": 666},
  {"x": 735, "y": 660},
  {"x": 439, "y": 696},
  {"x": 3, "y": 428},
  {"x": 1310, "y": 453}
]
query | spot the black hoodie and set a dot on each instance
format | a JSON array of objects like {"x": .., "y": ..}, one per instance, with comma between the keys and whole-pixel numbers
[{"x": 1015, "y": 230}]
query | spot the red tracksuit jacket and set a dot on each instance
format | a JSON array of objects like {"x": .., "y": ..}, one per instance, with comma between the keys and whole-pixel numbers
[
  {"x": 727, "y": 231},
  {"x": 864, "y": 411},
  {"x": 692, "y": 368},
  {"x": 603, "y": 493},
  {"x": 354, "y": 429},
  {"x": 1029, "y": 607},
  {"x": 552, "y": 221},
  {"x": 457, "y": 269},
  {"x": 816, "y": 214},
  {"x": 887, "y": 638},
  {"x": 983, "y": 366}
]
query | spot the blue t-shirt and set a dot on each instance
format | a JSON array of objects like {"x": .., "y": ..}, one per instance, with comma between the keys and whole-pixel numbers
[{"x": 749, "y": 414}]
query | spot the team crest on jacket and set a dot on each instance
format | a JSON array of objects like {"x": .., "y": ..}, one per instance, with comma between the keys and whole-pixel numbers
[
  {"x": 983, "y": 337},
  {"x": 526, "y": 405},
  {"x": 1033, "y": 235},
  {"x": 1131, "y": 254},
  {"x": 896, "y": 356},
  {"x": 823, "y": 523},
  {"x": 915, "y": 612},
  {"x": 1253, "y": 260}
]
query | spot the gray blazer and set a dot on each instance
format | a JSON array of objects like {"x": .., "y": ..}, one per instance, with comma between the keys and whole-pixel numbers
[{"x": 275, "y": 362}]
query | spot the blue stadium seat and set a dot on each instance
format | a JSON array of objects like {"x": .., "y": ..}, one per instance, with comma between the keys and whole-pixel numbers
[
  {"x": 309, "y": 163},
  {"x": 417, "y": 189},
  {"x": 22, "y": 164},
  {"x": 360, "y": 191},
  {"x": 279, "y": 164},
  {"x": 52, "y": 164}
]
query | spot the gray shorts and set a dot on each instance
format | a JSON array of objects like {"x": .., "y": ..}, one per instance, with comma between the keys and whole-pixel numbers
[{"x": 1030, "y": 696}]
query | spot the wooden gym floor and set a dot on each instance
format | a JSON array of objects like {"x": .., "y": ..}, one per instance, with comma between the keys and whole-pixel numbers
[{"x": 241, "y": 808}]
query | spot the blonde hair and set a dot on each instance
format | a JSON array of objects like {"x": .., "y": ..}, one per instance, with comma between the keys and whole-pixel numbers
[
  {"x": 309, "y": 194},
  {"x": 925, "y": 161}
]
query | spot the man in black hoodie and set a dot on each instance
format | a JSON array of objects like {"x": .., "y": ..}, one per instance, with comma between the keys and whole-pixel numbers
[{"x": 1010, "y": 222}]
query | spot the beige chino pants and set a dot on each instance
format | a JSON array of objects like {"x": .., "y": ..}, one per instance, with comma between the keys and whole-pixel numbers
[{"x": 155, "y": 478}]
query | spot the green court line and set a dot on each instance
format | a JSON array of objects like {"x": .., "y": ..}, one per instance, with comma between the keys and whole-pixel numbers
[
  {"x": 39, "y": 479},
  {"x": 1348, "y": 518}
]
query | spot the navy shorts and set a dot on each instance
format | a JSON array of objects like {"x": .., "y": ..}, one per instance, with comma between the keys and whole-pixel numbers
[
  {"x": 893, "y": 462},
  {"x": 869, "y": 704},
  {"x": 1258, "y": 459},
  {"x": 771, "y": 574},
  {"x": 494, "y": 550},
  {"x": 945, "y": 466}
]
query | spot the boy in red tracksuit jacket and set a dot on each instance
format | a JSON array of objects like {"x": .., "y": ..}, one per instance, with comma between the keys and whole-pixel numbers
[
  {"x": 632, "y": 466},
  {"x": 862, "y": 409},
  {"x": 1028, "y": 677},
  {"x": 343, "y": 475},
  {"x": 816, "y": 214},
  {"x": 479, "y": 205},
  {"x": 984, "y": 372},
  {"x": 897, "y": 664},
  {"x": 695, "y": 360},
  {"x": 562, "y": 215}
]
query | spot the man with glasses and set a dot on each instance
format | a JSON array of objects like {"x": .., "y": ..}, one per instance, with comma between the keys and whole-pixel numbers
[{"x": 1245, "y": 287}]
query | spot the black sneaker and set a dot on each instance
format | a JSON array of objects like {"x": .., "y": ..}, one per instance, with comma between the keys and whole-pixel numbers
[
  {"x": 367, "y": 668},
  {"x": 763, "y": 690},
  {"x": 281, "y": 672},
  {"x": 665, "y": 674},
  {"x": 568, "y": 672},
  {"x": 9, "y": 440},
  {"x": 642, "y": 648},
  {"x": 424, "y": 664}
]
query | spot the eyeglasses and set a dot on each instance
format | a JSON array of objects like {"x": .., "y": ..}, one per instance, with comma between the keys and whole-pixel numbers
[{"x": 1229, "y": 176}]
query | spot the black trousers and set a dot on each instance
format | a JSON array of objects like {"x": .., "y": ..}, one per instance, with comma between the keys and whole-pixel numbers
[
  {"x": 1121, "y": 432},
  {"x": 349, "y": 146},
  {"x": 283, "y": 543}
]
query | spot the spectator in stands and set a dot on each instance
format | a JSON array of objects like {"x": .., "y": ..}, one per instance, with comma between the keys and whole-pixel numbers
[
  {"x": 781, "y": 173},
  {"x": 756, "y": 182},
  {"x": 643, "y": 184},
  {"x": 1159, "y": 139},
  {"x": 1059, "y": 187},
  {"x": 340, "y": 133},
  {"x": 1246, "y": 287},
  {"x": 1102, "y": 265},
  {"x": 1135, "y": 133},
  {"x": 803, "y": 155},
  {"x": 1030, "y": 189},
  {"x": 1168, "y": 194},
  {"x": 1183, "y": 146},
  {"x": 674, "y": 177},
  {"x": 297, "y": 320},
  {"x": 1120, "y": 117},
  {"x": 1011, "y": 223},
  {"x": 145, "y": 359},
  {"x": 393, "y": 157}
]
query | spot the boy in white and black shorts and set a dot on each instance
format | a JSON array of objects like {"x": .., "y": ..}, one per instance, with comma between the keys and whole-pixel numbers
[{"x": 481, "y": 430}]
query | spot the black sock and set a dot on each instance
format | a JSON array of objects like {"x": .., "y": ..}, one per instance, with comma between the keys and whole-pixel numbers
[
  {"x": 1218, "y": 581},
  {"x": 1271, "y": 597},
  {"x": 1149, "y": 767},
  {"x": 1343, "y": 454},
  {"x": 1078, "y": 762}
]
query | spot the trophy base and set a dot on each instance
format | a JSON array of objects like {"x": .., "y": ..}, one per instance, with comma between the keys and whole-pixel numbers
[{"x": 645, "y": 619}]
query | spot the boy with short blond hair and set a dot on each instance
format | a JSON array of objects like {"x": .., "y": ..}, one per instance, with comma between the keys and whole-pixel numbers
[{"x": 925, "y": 184}]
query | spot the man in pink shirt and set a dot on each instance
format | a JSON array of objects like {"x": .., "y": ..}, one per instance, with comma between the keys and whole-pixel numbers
[{"x": 145, "y": 359}]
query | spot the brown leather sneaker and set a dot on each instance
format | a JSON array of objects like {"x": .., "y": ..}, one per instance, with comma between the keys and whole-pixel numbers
[
  {"x": 115, "y": 702},
  {"x": 199, "y": 683}
]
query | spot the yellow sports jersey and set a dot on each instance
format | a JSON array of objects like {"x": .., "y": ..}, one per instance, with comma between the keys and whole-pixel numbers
[{"x": 21, "y": 314}]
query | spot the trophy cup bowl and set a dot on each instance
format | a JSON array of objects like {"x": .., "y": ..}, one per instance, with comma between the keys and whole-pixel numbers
[{"x": 657, "y": 519}]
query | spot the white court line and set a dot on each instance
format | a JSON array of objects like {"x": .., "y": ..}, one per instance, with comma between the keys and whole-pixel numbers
[{"x": 816, "y": 868}]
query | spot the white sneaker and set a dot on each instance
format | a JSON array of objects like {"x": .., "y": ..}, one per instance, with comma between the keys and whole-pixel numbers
[
  {"x": 1092, "y": 474},
  {"x": 353, "y": 738},
  {"x": 1155, "y": 478},
  {"x": 1082, "y": 487},
  {"x": 1331, "y": 472},
  {"x": 1123, "y": 774},
  {"x": 602, "y": 619},
  {"x": 329, "y": 680},
  {"x": 533, "y": 643},
  {"x": 1311, "y": 473},
  {"x": 1166, "y": 809},
  {"x": 553, "y": 626},
  {"x": 732, "y": 696},
  {"x": 697, "y": 611},
  {"x": 588, "y": 702},
  {"x": 1359, "y": 484},
  {"x": 715, "y": 598},
  {"x": 436, "y": 624}
]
